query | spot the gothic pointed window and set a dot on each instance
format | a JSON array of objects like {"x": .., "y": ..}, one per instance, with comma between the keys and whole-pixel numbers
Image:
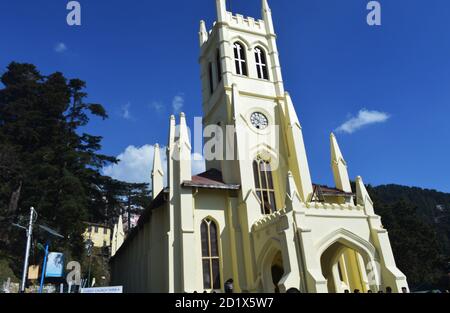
[
  {"x": 210, "y": 78},
  {"x": 265, "y": 191},
  {"x": 219, "y": 66},
  {"x": 240, "y": 59},
  {"x": 210, "y": 255},
  {"x": 261, "y": 63}
]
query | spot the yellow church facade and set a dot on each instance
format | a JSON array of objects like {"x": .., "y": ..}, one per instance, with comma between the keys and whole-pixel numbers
[{"x": 254, "y": 216}]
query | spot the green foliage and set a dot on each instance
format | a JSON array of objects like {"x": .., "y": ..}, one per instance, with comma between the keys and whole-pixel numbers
[
  {"x": 418, "y": 231},
  {"x": 6, "y": 271},
  {"x": 47, "y": 162},
  {"x": 96, "y": 266},
  {"x": 120, "y": 198},
  {"x": 42, "y": 151}
]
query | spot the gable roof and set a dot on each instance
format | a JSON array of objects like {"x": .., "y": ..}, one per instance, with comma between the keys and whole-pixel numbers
[
  {"x": 321, "y": 190},
  {"x": 211, "y": 179}
]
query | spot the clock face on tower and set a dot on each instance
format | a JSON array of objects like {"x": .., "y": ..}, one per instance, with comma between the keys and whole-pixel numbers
[{"x": 259, "y": 120}]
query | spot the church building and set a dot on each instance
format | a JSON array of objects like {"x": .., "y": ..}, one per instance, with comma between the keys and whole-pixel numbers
[{"x": 255, "y": 216}]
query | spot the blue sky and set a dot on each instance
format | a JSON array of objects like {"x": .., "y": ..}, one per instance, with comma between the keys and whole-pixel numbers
[{"x": 140, "y": 59}]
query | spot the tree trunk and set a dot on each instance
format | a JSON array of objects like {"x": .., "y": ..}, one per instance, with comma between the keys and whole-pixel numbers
[{"x": 14, "y": 201}]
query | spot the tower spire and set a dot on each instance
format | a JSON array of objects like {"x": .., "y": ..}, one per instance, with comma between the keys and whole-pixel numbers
[
  {"x": 295, "y": 136},
  {"x": 170, "y": 152},
  {"x": 221, "y": 6},
  {"x": 292, "y": 197},
  {"x": 267, "y": 17},
  {"x": 157, "y": 173},
  {"x": 265, "y": 6},
  {"x": 203, "y": 33},
  {"x": 171, "y": 134},
  {"x": 339, "y": 166},
  {"x": 184, "y": 151},
  {"x": 362, "y": 196}
]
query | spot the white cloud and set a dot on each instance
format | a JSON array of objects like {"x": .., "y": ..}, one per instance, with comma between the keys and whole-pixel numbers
[
  {"x": 198, "y": 164},
  {"x": 177, "y": 103},
  {"x": 60, "y": 47},
  {"x": 125, "y": 111},
  {"x": 136, "y": 164},
  {"x": 365, "y": 117},
  {"x": 157, "y": 106}
]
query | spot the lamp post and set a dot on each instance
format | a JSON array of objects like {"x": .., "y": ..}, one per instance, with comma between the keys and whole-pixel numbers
[{"x": 29, "y": 231}]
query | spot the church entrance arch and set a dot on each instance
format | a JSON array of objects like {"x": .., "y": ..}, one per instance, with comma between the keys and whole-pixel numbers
[
  {"x": 272, "y": 269},
  {"x": 344, "y": 267},
  {"x": 277, "y": 271}
]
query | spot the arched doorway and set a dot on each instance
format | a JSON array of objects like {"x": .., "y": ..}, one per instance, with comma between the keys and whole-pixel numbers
[
  {"x": 277, "y": 271},
  {"x": 344, "y": 268},
  {"x": 272, "y": 268}
]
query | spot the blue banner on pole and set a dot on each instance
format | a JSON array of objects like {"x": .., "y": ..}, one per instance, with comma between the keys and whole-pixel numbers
[{"x": 55, "y": 265}]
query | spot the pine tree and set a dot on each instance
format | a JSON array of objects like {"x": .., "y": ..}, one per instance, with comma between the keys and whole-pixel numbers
[{"x": 43, "y": 151}]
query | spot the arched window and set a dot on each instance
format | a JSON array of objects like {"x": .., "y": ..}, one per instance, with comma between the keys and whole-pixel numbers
[
  {"x": 240, "y": 59},
  {"x": 211, "y": 82},
  {"x": 210, "y": 255},
  {"x": 219, "y": 66},
  {"x": 264, "y": 186},
  {"x": 261, "y": 63}
]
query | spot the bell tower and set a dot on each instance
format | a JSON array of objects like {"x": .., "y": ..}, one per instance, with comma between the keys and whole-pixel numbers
[
  {"x": 243, "y": 90},
  {"x": 245, "y": 102}
]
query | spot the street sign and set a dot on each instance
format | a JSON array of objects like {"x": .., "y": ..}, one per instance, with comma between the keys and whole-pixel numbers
[
  {"x": 55, "y": 265},
  {"x": 33, "y": 272},
  {"x": 116, "y": 289}
]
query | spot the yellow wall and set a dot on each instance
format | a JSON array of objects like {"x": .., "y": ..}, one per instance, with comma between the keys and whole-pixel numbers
[
  {"x": 141, "y": 264},
  {"x": 165, "y": 253},
  {"x": 100, "y": 235}
]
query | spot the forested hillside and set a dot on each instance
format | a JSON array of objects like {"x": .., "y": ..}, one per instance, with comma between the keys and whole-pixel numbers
[{"x": 418, "y": 221}]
